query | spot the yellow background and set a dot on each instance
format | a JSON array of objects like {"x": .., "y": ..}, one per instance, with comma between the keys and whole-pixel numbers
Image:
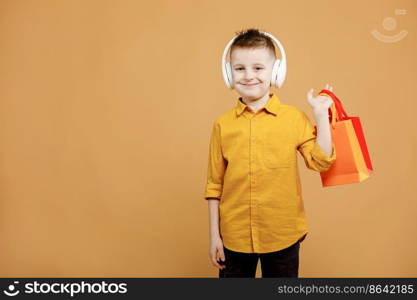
[{"x": 105, "y": 115}]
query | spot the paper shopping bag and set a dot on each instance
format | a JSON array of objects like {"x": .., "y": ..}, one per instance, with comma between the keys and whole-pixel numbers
[
  {"x": 356, "y": 125},
  {"x": 353, "y": 163}
]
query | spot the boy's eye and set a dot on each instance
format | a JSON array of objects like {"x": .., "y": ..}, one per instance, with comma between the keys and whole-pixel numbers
[{"x": 257, "y": 68}]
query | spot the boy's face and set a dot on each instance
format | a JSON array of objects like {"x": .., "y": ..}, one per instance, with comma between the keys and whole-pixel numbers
[{"x": 251, "y": 70}]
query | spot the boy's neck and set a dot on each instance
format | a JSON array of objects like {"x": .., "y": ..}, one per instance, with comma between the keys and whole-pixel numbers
[{"x": 257, "y": 103}]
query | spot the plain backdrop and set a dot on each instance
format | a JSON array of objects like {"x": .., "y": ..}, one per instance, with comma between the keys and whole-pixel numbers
[{"x": 106, "y": 109}]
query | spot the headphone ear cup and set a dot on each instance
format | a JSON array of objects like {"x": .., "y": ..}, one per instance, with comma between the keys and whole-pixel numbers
[
  {"x": 229, "y": 75},
  {"x": 274, "y": 76},
  {"x": 282, "y": 71}
]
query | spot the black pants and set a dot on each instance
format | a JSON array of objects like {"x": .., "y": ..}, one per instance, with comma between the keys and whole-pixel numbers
[{"x": 282, "y": 263}]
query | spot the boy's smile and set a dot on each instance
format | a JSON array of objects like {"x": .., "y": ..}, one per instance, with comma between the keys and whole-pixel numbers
[{"x": 251, "y": 70}]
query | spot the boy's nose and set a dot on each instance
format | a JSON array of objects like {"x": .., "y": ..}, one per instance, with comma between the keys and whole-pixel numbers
[{"x": 248, "y": 75}]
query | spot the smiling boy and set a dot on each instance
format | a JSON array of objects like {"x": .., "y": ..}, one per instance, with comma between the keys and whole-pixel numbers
[{"x": 253, "y": 188}]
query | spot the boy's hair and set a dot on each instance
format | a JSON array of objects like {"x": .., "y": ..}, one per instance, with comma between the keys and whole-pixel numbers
[{"x": 252, "y": 38}]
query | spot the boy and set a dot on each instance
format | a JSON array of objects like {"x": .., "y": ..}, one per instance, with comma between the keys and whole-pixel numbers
[{"x": 253, "y": 189}]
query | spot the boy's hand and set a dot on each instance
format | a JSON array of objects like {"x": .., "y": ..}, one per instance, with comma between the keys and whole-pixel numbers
[
  {"x": 320, "y": 103},
  {"x": 216, "y": 253}
]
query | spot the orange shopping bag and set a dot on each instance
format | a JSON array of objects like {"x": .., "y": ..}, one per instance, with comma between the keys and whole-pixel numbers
[{"x": 353, "y": 163}]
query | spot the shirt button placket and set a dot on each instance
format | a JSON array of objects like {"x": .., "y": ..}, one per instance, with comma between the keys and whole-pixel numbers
[{"x": 253, "y": 198}]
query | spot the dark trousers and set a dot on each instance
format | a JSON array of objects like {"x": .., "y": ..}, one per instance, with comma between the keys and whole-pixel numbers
[{"x": 282, "y": 263}]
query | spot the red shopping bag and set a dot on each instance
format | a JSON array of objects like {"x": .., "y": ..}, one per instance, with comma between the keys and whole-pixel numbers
[
  {"x": 352, "y": 162},
  {"x": 356, "y": 125}
]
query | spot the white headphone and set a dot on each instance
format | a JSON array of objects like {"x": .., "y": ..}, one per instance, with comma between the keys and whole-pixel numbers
[{"x": 279, "y": 69}]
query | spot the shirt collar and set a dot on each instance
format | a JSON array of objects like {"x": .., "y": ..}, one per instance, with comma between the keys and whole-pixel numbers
[{"x": 272, "y": 105}]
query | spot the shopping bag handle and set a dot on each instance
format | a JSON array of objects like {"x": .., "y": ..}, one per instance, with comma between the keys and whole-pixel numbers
[
  {"x": 341, "y": 113},
  {"x": 333, "y": 115}
]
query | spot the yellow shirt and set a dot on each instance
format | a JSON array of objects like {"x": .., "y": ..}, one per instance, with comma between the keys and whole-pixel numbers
[{"x": 253, "y": 171}]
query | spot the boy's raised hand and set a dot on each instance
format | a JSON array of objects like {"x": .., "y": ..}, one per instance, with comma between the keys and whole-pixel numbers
[{"x": 320, "y": 103}]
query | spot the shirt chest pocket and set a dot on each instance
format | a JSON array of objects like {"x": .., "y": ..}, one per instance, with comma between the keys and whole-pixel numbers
[{"x": 277, "y": 150}]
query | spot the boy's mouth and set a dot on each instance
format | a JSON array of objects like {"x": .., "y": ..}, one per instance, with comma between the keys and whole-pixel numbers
[{"x": 250, "y": 84}]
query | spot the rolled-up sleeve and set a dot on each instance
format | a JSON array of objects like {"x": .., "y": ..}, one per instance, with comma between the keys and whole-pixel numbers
[
  {"x": 216, "y": 165},
  {"x": 315, "y": 158}
]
